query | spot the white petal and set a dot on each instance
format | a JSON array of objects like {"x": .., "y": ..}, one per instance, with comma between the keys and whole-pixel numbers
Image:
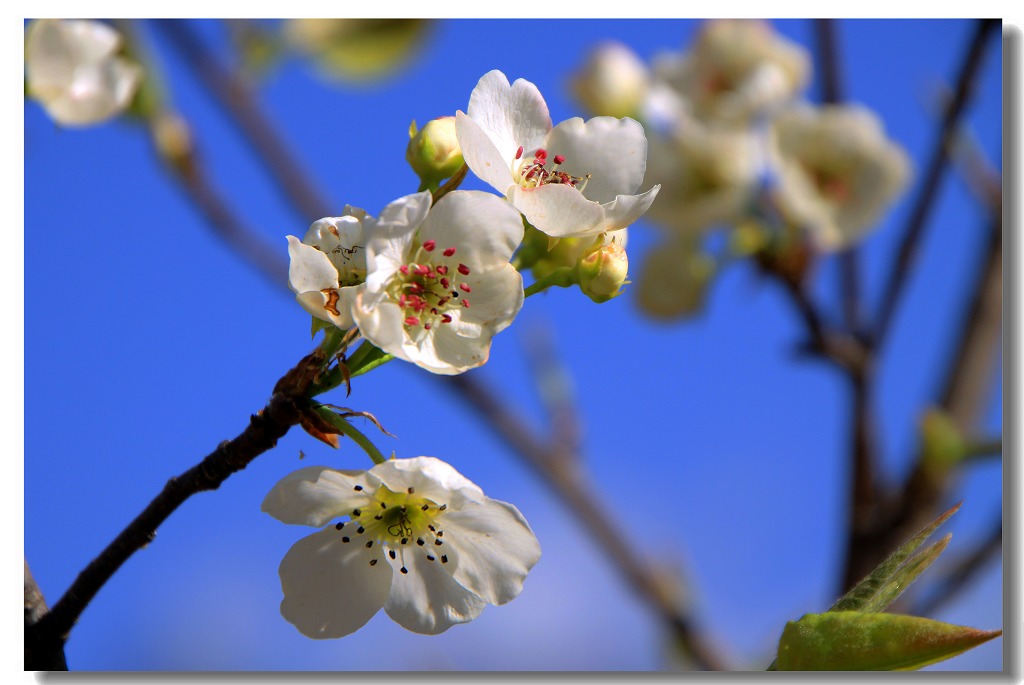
[
  {"x": 315, "y": 495},
  {"x": 496, "y": 549},
  {"x": 381, "y": 322},
  {"x": 612, "y": 151},
  {"x": 495, "y": 300},
  {"x": 510, "y": 115},
  {"x": 481, "y": 154},
  {"x": 403, "y": 214},
  {"x": 447, "y": 353},
  {"x": 628, "y": 208},
  {"x": 483, "y": 228},
  {"x": 430, "y": 477},
  {"x": 330, "y": 589},
  {"x": 310, "y": 269},
  {"x": 427, "y": 599},
  {"x": 559, "y": 210}
]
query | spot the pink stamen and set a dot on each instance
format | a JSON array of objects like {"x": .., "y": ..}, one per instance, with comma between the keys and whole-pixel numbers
[
  {"x": 540, "y": 155},
  {"x": 404, "y": 270},
  {"x": 441, "y": 270},
  {"x": 559, "y": 159},
  {"x": 429, "y": 245},
  {"x": 465, "y": 288},
  {"x": 463, "y": 269},
  {"x": 422, "y": 270},
  {"x": 446, "y": 319},
  {"x": 449, "y": 252},
  {"x": 519, "y": 152},
  {"x": 465, "y": 303},
  {"x": 445, "y": 283},
  {"x": 411, "y": 321}
]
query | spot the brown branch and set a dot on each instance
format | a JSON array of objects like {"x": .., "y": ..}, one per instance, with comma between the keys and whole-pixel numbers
[
  {"x": 40, "y": 654},
  {"x": 832, "y": 93},
  {"x": 933, "y": 178},
  {"x": 560, "y": 471},
  {"x": 264, "y": 430},
  {"x": 233, "y": 94}
]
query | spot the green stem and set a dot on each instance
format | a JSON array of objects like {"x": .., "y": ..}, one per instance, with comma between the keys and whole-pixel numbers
[
  {"x": 352, "y": 432},
  {"x": 562, "y": 278},
  {"x": 984, "y": 448}
]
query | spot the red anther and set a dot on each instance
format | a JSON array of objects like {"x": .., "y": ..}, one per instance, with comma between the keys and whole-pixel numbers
[
  {"x": 449, "y": 252},
  {"x": 404, "y": 269},
  {"x": 441, "y": 270},
  {"x": 402, "y": 300},
  {"x": 411, "y": 321},
  {"x": 446, "y": 319},
  {"x": 559, "y": 159},
  {"x": 416, "y": 288},
  {"x": 519, "y": 152},
  {"x": 463, "y": 269},
  {"x": 465, "y": 288},
  {"x": 422, "y": 270},
  {"x": 429, "y": 245},
  {"x": 426, "y": 326},
  {"x": 465, "y": 303},
  {"x": 530, "y": 174},
  {"x": 540, "y": 155},
  {"x": 445, "y": 283}
]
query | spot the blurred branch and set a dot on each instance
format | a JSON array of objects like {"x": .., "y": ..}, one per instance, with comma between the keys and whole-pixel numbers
[
  {"x": 231, "y": 91},
  {"x": 264, "y": 430},
  {"x": 554, "y": 387},
  {"x": 832, "y": 93},
  {"x": 933, "y": 177},
  {"x": 560, "y": 471}
]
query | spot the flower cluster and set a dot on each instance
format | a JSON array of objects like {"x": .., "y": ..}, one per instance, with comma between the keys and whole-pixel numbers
[{"x": 731, "y": 146}]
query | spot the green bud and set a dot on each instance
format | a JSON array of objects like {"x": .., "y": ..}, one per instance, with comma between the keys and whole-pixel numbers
[
  {"x": 942, "y": 445},
  {"x": 434, "y": 152},
  {"x": 602, "y": 270}
]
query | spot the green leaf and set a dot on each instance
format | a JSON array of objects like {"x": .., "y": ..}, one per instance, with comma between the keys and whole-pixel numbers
[
  {"x": 366, "y": 358},
  {"x": 888, "y": 581},
  {"x": 318, "y": 325},
  {"x": 854, "y": 641}
]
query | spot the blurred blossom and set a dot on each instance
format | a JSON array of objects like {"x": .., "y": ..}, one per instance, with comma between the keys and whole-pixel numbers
[
  {"x": 73, "y": 70},
  {"x": 709, "y": 177},
  {"x": 736, "y": 71},
  {"x": 357, "y": 49},
  {"x": 613, "y": 81},
  {"x": 422, "y": 541},
  {"x": 439, "y": 284},
  {"x": 433, "y": 151},
  {"x": 573, "y": 180},
  {"x": 674, "y": 278},
  {"x": 837, "y": 171},
  {"x": 329, "y": 264}
]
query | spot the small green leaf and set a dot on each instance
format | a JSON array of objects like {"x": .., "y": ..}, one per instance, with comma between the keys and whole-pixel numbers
[
  {"x": 942, "y": 444},
  {"x": 318, "y": 325},
  {"x": 854, "y": 641},
  {"x": 892, "y": 576},
  {"x": 367, "y": 358}
]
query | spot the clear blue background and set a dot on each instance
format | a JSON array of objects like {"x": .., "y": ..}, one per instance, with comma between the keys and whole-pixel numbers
[{"x": 147, "y": 342}]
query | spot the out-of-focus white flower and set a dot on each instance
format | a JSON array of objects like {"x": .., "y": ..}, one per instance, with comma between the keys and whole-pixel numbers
[
  {"x": 674, "y": 278},
  {"x": 439, "y": 284},
  {"x": 357, "y": 49},
  {"x": 736, "y": 71},
  {"x": 73, "y": 71},
  {"x": 574, "y": 180},
  {"x": 328, "y": 265},
  {"x": 837, "y": 171},
  {"x": 709, "y": 176},
  {"x": 422, "y": 541},
  {"x": 612, "y": 82}
]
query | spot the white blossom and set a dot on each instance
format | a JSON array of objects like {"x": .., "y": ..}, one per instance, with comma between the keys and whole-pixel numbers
[
  {"x": 421, "y": 541},
  {"x": 73, "y": 71},
  {"x": 574, "y": 180},
  {"x": 439, "y": 284},
  {"x": 837, "y": 171},
  {"x": 329, "y": 264}
]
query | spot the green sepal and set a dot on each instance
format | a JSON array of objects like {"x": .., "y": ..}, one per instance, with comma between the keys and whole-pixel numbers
[
  {"x": 339, "y": 422},
  {"x": 855, "y": 641},
  {"x": 318, "y": 325},
  {"x": 888, "y": 581},
  {"x": 367, "y": 358}
]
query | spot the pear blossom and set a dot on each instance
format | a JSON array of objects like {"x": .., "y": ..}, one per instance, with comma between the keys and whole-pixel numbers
[
  {"x": 736, "y": 71},
  {"x": 837, "y": 171},
  {"x": 439, "y": 283},
  {"x": 574, "y": 180},
  {"x": 420, "y": 540},
  {"x": 710, "y": 176},
  {"x": 613, "y": 81},
  {"x": 72, "y": 69},
  {"x": 329, "y": 264},
  {"x": 674, "y": 278}
]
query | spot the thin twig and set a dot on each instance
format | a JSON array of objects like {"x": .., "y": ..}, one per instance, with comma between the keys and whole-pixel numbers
[
  {"x": 932, "y": 180},
  {"x": 264, "y": 430},
  {"x": 832, "y": 93}
]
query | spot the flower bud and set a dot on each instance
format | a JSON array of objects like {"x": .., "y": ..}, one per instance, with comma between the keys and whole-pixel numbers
[
  {"x": 433, "y": 151},
  {"x": 602, "y": 271},
  {"x": 613, "y": 82},
  {"x": 942, "y": 445},
  {"x": 674, "y": 280}
]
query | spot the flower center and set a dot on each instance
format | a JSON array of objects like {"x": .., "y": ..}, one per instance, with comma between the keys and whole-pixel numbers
[
  {"x": 401, "y": 522},
  {"x": 534, "y": 173},
  {"x": 429, "y": 287}
]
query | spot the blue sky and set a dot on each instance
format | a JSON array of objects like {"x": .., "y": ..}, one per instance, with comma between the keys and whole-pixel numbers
[{"x": 148, "y": 341}]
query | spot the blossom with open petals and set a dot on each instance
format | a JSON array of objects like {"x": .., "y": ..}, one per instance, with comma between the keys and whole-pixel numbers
[
  {"x": 837, "y": 171},
  {"x": 439, "y": 284},
  {"x": 72, "y": 69},
  {"x": 736, "y": 70},
  {"x": 421, "y": 541},
  {"x": 574, "y": 180},
  {"x": 328, "y": 265}
]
